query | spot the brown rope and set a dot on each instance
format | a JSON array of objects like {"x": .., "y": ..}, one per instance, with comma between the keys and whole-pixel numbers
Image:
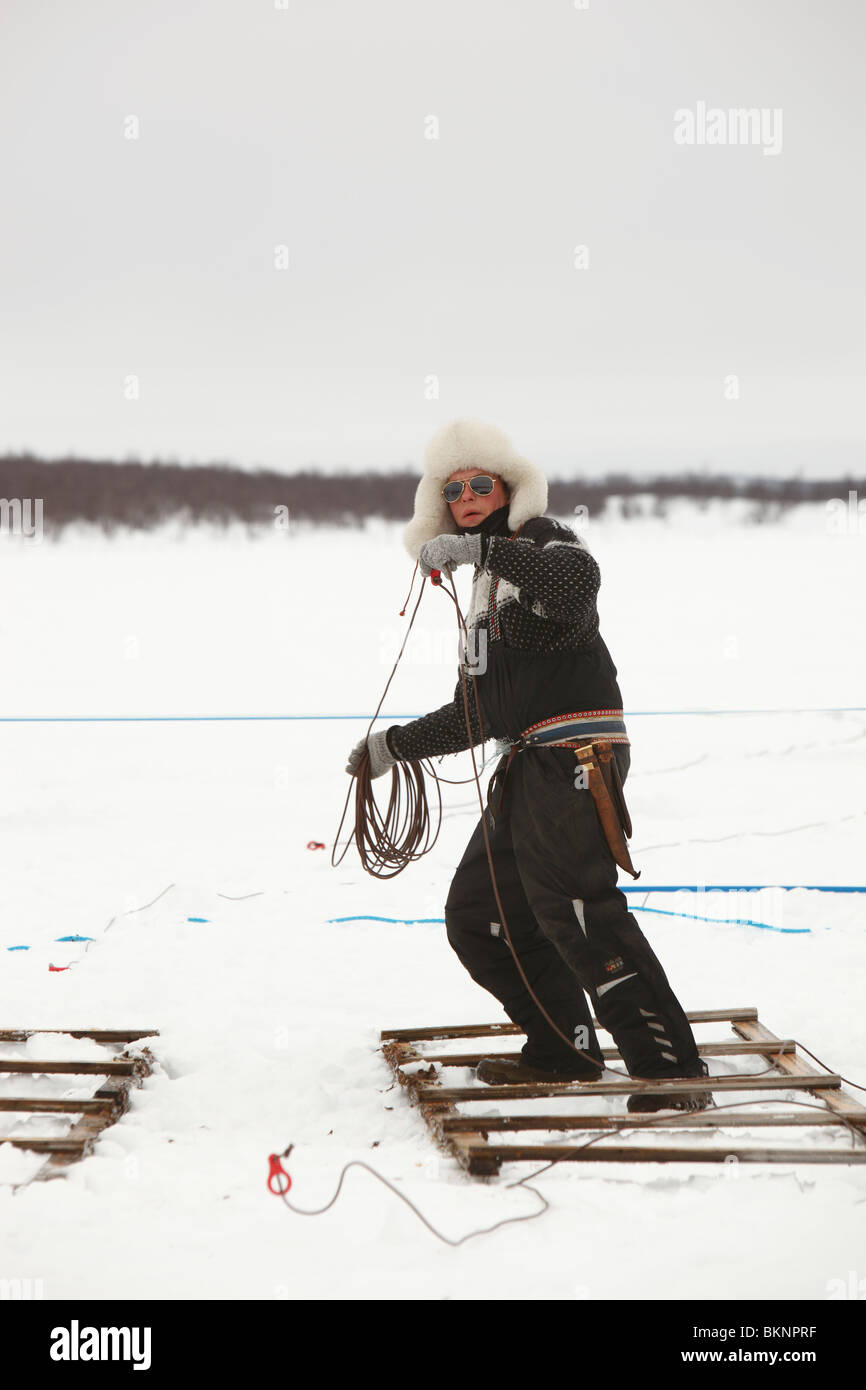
[
  {"x": 386, "y": 844},
  {"x": 570, "y": 1041}
]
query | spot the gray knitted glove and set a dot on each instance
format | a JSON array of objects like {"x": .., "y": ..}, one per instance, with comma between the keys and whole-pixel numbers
[
  {"x": 381, "y": 757},
  {"x": 446, "y": 552}
]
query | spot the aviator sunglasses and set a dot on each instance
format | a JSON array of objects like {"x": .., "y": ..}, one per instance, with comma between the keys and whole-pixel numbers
[{"x": 481, "y": 485}]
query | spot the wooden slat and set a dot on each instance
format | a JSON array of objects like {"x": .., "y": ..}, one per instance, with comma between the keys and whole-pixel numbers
[
  {"x": 131, "y": 1066},
  {"x": 484, "y": 1030},
  {"x": 696, "y": 1119},
  {"x": 462, "y": 1030},
  {"x": 40, "y": 1105},
  {"x": 104, "y": 1035},
  {"x": 673, "y": 1086},
  {"x": 627, "y": 1153},
  {"x": 611, "y": 1054},
  {"x": 76, "y": 1147}
]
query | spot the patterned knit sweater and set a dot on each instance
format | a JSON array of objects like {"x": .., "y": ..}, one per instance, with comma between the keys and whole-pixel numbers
[{"x": 536, "y": 593}]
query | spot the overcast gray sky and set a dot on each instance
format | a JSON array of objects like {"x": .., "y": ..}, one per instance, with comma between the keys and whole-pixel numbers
[{"x": 718, "y": 319}]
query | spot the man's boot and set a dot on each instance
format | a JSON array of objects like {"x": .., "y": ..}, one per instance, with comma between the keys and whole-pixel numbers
[
  {"x": 643, "y": 1104},
  {"x": 507, "y": 1071}
]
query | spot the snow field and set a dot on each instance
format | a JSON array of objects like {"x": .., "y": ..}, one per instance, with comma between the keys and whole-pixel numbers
[{"x": 269, "y": 1012}]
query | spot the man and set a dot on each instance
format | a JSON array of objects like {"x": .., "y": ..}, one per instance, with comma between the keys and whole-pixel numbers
[{"x": 534, "y": 618}]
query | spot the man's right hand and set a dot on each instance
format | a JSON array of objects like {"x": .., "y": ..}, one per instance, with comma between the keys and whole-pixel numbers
[{"x": 381, "y": 757}]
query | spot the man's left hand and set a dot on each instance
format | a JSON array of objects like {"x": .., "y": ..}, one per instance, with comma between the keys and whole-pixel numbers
[{"x": 446, "y": 552}]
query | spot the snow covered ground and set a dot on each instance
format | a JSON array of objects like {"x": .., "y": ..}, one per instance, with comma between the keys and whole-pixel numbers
[{"x": 268, "y": 1010}]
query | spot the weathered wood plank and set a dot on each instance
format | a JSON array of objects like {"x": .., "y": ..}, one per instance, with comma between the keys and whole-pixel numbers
[
  {"x": 40, "y": 1105},
  {"x": 673, "y": 1086},
  {"x": 628, "y": 1153},
  {"x": 611, "y": 1054},
  {"x": 698, "y": 1119},
  {"x": 483, "y": 1030},
  {"x": 77, "y": 1147},
  {"x": 104, "y": 1035},
  {"x": 129, "y": 1066}
]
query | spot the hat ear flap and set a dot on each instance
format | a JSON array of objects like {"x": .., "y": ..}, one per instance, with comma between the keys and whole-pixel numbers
[{"x": 433, "y": 516}]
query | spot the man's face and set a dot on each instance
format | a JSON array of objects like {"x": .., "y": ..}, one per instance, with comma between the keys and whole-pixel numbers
[{"x": 469, "y": 509}]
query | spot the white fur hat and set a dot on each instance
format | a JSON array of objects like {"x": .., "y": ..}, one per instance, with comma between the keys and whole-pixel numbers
[{"x": 471, "y": 444}]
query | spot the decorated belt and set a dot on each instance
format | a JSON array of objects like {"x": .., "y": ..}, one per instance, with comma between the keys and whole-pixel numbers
[
  {"x": 590, "y": 733},
  {"x": 566, "y": 730}
]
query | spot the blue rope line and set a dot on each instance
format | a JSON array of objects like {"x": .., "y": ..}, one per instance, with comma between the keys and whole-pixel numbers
[
  {"x": 670, "y": 888},
  {"x": 660, "y": 911},
  {"x": 723, "y": 921},
  {"x": 57, "y": 938},
  {"x": 245, "y": 718},
  {"x": 366, "y": 918},
  {"x": 742, "y": 888}
]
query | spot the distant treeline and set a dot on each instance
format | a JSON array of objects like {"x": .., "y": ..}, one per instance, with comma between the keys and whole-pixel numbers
[{"x": 141, "y": 495}]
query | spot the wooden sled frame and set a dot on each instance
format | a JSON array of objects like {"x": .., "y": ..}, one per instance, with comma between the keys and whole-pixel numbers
[
  {"x": 122, "y": 1072},
  {"x": 467, "y": 1138}
]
